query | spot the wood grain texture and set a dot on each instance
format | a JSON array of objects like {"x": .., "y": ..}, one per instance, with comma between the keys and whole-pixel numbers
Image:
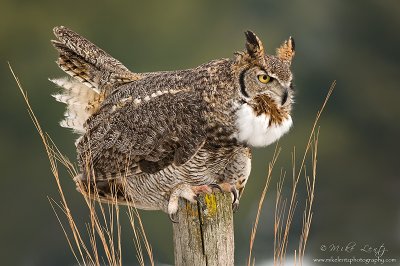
[{"x": 204, "y": 233}]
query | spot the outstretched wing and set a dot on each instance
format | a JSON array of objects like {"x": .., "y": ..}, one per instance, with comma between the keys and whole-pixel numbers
[
  {"x": 86, "y": 62},
  {"x": 144, "y": 135},
  {"x": 95, "y": 73}
]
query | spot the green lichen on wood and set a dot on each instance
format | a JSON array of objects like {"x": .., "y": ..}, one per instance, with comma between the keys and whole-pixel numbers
[{"x": 210, "y": 202}]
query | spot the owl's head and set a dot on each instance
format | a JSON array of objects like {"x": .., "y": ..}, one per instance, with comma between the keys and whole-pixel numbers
[{"x": 266, "y": 92}]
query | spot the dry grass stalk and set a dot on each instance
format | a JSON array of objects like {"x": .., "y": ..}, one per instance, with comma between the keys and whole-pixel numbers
[
  {"x": 103, "y": 228},
  {"x": 260, "y": 203}
]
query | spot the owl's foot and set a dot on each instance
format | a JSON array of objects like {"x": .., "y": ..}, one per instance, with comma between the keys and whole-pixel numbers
[
  {"x": 222, "y": 187},
  {"x": 227, "y": 187},
  {"x": 190, "y": 193},
  {"x": 180, "y": 191}
]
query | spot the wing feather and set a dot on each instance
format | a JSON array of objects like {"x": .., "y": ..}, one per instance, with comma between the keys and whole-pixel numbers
[
  {"x": 149, "y": 136},
  {"x": 87, "y": 63}
]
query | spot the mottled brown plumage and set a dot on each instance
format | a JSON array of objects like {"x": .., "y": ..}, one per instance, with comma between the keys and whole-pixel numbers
[{"x": 150, "y": 138}]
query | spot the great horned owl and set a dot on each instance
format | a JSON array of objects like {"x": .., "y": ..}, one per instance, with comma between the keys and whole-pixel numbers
[{"x": 150, "y": 138}]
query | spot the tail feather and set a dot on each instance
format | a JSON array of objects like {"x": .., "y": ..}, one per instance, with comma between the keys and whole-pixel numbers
[{"x": 81, "y": 103}]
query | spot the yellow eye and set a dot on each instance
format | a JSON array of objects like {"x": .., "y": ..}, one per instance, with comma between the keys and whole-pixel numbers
[{"x": 264, "y": 78}]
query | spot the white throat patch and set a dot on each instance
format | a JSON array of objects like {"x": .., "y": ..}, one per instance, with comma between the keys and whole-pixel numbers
[{"x": 255, "y": 130}]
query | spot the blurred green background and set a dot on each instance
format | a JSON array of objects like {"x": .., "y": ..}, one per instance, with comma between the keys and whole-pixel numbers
[{"x": 356, "y": 43}]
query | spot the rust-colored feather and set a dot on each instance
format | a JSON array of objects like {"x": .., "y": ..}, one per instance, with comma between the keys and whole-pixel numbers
[{"x": 263, "y": 104}]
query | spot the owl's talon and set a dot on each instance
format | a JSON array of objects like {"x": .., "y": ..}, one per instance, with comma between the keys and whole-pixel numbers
[
  {"x": 172, "y": 218},
  {"x": 235, "y": 202},
  {"x": 227, "y": 187},
  {"x": 235, "y": 194},
  {"x": 235, "y": 206},
  {"x": 216, "y": 186}
]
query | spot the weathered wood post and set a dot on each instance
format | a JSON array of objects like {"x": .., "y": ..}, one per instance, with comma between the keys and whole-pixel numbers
[{"x": 204, "y": 232}]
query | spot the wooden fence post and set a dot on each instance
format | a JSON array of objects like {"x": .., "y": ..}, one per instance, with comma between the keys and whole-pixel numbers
[{"x": 204, "y": 232}]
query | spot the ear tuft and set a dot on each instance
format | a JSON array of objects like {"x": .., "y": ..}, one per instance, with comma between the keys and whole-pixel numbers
[
  {"x": 254, "y": 46},
  {"x": 286, "y": 51}
]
